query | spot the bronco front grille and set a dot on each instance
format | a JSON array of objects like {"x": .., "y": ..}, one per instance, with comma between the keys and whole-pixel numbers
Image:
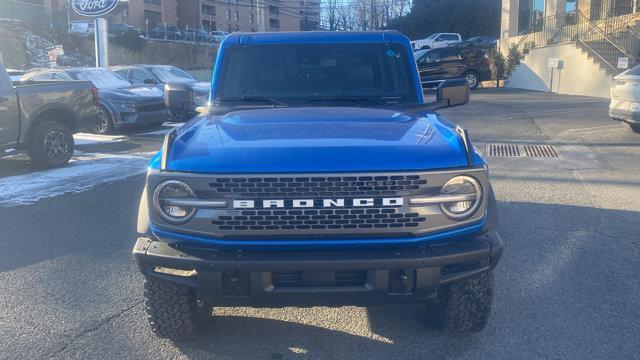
[
  {"x": 309, "y": 187},
  {"x": 335, "y": 219},
  {"x": 288, "y": 207}
]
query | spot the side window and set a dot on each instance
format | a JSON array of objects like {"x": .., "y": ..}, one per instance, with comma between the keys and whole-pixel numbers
[
  {"x": 450, "y": 55},
  {"x": 41, "y": 77},
  {"x": 61, "y": 76},
  {"x": 138, "y": 76},
  {"x": 123, "y": 74},
  {"x": 431, "y": 57},
  {"x": 439, "y": 38},
  {"x": 450, "y": 37}
]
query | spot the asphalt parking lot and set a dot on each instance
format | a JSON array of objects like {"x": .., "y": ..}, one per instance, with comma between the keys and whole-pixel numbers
[{"x": 566, "y": 288}]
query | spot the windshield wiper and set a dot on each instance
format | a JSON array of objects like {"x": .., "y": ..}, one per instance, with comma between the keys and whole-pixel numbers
[
  {"x": 250, "y": 98},
  {"x": 349, "y": 99}
]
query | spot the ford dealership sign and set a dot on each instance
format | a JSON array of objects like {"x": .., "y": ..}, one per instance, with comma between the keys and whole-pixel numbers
[{"x": 93, "y": 7}]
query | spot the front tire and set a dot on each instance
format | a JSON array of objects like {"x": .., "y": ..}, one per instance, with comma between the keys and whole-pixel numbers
[
  {"x": 105, "y": 123},
  {"x": 464, "y": 307},
  {"x": 473, "y": 79},
  {"x": 174, "y": 311},
  {"x": 51, "y": 144},
  {"x": 632, "y": 127}
]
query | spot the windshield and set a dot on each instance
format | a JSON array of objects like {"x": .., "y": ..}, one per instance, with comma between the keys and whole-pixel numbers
[
  {"x": 432, "y": 36},
  {"x": 297, "y": 73},
  {"x": 418, "y": 54},
  {"x": 103, "y": 79},
  {"x": 172, "y": 74}
]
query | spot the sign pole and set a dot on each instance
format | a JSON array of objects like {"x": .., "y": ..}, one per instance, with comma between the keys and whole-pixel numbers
[
  {"x": 101, "y": 42},
  {"x": 101, "y": 36}
]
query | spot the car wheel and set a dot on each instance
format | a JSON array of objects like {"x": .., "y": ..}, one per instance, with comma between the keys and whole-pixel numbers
[
  {"x": 105, "y": 121},
  {"x": 463, "y": 307},
  {"x": 472, "y": 78},
  {"x": 426, "y": 47},
  {"x": 632, "y": 127},
  {"x": 51, "y": 144},
  {"x": 174, "y": 311}
]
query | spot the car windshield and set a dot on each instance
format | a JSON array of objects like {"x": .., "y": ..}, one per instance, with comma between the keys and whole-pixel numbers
[
  {"x": 432, "y": 36},
  {"x": 172, "y": 74},
  {"x": 418, "y": 54},
  {"x": 303, "y": 72},
  {"x": 103, "y": 78}
]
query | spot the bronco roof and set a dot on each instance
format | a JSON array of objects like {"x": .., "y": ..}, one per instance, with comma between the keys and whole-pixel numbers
[{"x": 315, "y": 37}]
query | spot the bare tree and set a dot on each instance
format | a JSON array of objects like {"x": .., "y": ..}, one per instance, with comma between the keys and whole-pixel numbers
[{"x": 362, "y": 14}]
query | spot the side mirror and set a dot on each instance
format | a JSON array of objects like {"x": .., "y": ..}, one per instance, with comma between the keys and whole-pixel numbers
[
  {"x": 149, "y": 81},
  {"x": 453, "y": 92}
]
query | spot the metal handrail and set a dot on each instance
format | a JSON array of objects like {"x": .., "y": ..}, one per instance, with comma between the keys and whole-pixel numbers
[
  {"x": 605, "y": 36},
  {"x": 596, "y": 54}
]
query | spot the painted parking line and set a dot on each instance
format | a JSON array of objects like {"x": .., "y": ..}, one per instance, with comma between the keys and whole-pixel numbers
[{"x": 83, "y": 173}]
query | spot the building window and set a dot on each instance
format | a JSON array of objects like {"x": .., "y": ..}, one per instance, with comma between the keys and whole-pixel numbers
[
  {"x": 274, "y": 10},
  {"x": 208, "y": 25},
  {"x": 274, "y": 23},
  {"x": 237, "y": 15},
  {"x": 237, "y": 27},
  {"x": 228, "y": 14},
  {"x": 208, "y": 10},
  {"x": 530, "y": 16},
  {"x": 251, "y": 19},
  {"x": 153, "y": 17},
  {"x": 229, "y": 28},
  {"x": 603, "y": 9}
]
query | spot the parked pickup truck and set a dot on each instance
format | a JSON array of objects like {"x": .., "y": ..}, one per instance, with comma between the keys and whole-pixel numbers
[
  {"x": 318, "y": 176},
  {"x": 41, "y": 117}
]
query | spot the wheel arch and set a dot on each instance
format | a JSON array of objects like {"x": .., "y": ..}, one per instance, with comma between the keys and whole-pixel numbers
[{"x": 60, "y": 114}]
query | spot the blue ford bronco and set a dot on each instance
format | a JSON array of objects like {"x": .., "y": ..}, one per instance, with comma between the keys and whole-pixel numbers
[{"x": 318, "y": 175}]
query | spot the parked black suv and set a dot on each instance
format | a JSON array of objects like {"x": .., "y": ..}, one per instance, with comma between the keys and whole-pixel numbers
[{"x": 436, "y": 65}]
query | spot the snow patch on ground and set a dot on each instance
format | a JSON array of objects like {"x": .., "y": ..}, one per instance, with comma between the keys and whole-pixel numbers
[
  {"x": 82, "y": 173},
  {"x": 86, "y": 138}
]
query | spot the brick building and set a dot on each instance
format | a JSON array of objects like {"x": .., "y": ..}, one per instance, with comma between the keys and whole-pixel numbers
[
  {"x": 244, "y": 15},
  {"x": 227, "y": 15}
]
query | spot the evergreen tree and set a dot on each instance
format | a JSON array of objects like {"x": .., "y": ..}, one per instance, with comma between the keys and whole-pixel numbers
[{"x": 467, "y": 17}]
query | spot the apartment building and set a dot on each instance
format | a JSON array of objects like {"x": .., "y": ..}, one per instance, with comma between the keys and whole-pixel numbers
[
  {"x": 249, "y": 15},
  {"x": 590, "y": 41}
]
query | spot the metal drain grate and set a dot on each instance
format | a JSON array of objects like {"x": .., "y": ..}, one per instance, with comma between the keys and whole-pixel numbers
[
  {"x": 546, "y": 151},
  {"x": 509, "y": 150},
  {"x": 500, "y": 150}
]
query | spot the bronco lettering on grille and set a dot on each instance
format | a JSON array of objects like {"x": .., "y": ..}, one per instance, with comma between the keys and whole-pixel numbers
[{"x": 311, "y": 203}]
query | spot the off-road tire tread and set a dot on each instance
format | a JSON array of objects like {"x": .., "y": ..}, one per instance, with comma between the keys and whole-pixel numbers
[
  {"x": 172, "y": 310},
  {"x": 36, "y": 150},
  {"x": 466, "y": 306}
]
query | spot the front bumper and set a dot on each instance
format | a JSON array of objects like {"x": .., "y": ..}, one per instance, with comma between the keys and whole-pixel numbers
[
  {"x": 309, "y": 278},
  {"x": 141, "y": 118},
  {"x": 629, "y": 116}
]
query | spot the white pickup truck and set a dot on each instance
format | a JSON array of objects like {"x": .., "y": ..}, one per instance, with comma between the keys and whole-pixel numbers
[{"x": 437, "y": 40}]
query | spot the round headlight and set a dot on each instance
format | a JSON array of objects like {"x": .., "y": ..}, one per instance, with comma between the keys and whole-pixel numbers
[
  {"x": 167, "y": 201},
  {"x": 470, "y": 189}
]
